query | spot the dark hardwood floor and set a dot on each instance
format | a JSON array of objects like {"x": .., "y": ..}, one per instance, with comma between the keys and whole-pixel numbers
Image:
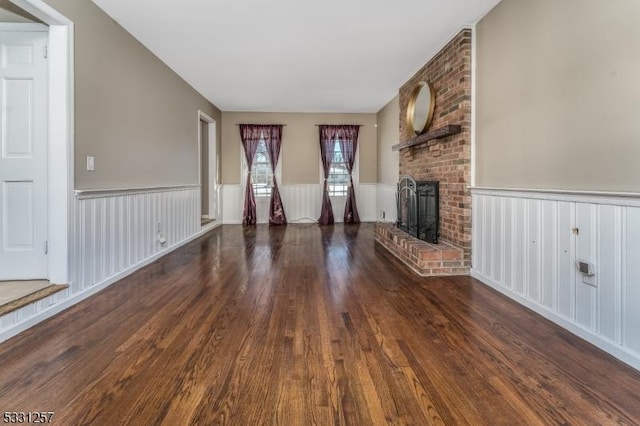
[{"x": 306, "y": 325}]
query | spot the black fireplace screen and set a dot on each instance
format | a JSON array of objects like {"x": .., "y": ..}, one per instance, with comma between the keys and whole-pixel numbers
[{"x": 418, "y": 208}]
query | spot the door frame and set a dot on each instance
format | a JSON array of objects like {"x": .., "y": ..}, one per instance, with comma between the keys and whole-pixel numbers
[
  {"x": 213, "y": 162},
  {"x": 60, "y": 134}
]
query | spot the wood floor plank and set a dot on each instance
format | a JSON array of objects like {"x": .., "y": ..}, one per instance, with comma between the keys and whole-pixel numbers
[{"x": 307, "y": 325}]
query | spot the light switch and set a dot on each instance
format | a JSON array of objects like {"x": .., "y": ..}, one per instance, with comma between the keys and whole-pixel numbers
[{"x": 91, "y": 163}]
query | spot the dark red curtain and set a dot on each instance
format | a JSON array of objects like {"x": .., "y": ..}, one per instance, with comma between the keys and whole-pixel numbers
[
  {"x": 348, "y": 136},
  {"x": 250, "y": 134},
  {"x": 273, "y": 139},
  {"x": 327, "y": 145}
]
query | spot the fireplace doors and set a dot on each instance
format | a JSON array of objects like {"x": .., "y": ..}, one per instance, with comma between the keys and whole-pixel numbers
[{"x": 418, "y": 208}]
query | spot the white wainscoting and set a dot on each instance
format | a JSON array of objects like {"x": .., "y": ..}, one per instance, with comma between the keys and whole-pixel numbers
[
  {"x": 525, "y": 244},
  {"x": 114, "y": 233},
  {"x": 386, "y": 208},
  {"x": 367, "y": 200},
  {"x": 117, "y": 231},
  {"x": 232, "y": 203},
  {"x": 301, "y": 202}
]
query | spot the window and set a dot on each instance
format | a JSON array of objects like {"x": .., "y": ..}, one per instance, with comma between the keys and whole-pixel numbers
[
  {"x": 338, "y": 174},
  {"x": 261, "y": 171}
]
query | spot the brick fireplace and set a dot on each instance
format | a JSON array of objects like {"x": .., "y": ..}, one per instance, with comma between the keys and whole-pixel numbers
[{"x": 446, "y": 160}]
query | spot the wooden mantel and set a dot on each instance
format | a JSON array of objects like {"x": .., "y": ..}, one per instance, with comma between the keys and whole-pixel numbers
[{"x": 442, "y": 132}]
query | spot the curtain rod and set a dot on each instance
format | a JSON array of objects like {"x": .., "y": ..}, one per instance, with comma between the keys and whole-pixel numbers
[
  {"x": 284, "y": 125},
  {"x": 254, "y": 124}
]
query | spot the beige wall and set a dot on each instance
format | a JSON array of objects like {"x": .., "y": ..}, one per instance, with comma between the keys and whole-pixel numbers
[
  {"x": 300, "y": 153},
  {"x": 558, "y": 98},
  {"x": 9, "y": 12},
  {"x": 388, "y": 135},
  {"x": 135, "y": 115}
]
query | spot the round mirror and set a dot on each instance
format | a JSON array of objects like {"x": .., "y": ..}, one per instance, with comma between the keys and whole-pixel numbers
[{"x": 420, "y": 108}]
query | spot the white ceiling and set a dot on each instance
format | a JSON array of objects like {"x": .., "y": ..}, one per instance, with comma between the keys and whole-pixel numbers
[{"x": 296, "y": 55}]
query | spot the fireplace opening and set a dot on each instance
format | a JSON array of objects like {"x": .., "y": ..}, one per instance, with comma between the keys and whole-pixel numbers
[{"x": 418, "y": 208}]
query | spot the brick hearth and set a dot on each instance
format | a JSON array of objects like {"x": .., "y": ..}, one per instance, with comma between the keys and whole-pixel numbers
[{"x": 423, "y": 258}]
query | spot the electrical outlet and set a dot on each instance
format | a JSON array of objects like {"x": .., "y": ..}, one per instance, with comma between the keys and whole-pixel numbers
[
  {"x": 587, "y": 269},
  {"x": 159, "y": 237}
]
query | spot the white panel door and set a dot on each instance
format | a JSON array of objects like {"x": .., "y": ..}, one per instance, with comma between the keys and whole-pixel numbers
[{"x": 23, "y": 155}]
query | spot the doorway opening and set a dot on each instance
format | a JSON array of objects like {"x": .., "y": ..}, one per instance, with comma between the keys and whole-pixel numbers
[
  {"x": 208, "y": 174},
  {"x": 57, "y": 103}
]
